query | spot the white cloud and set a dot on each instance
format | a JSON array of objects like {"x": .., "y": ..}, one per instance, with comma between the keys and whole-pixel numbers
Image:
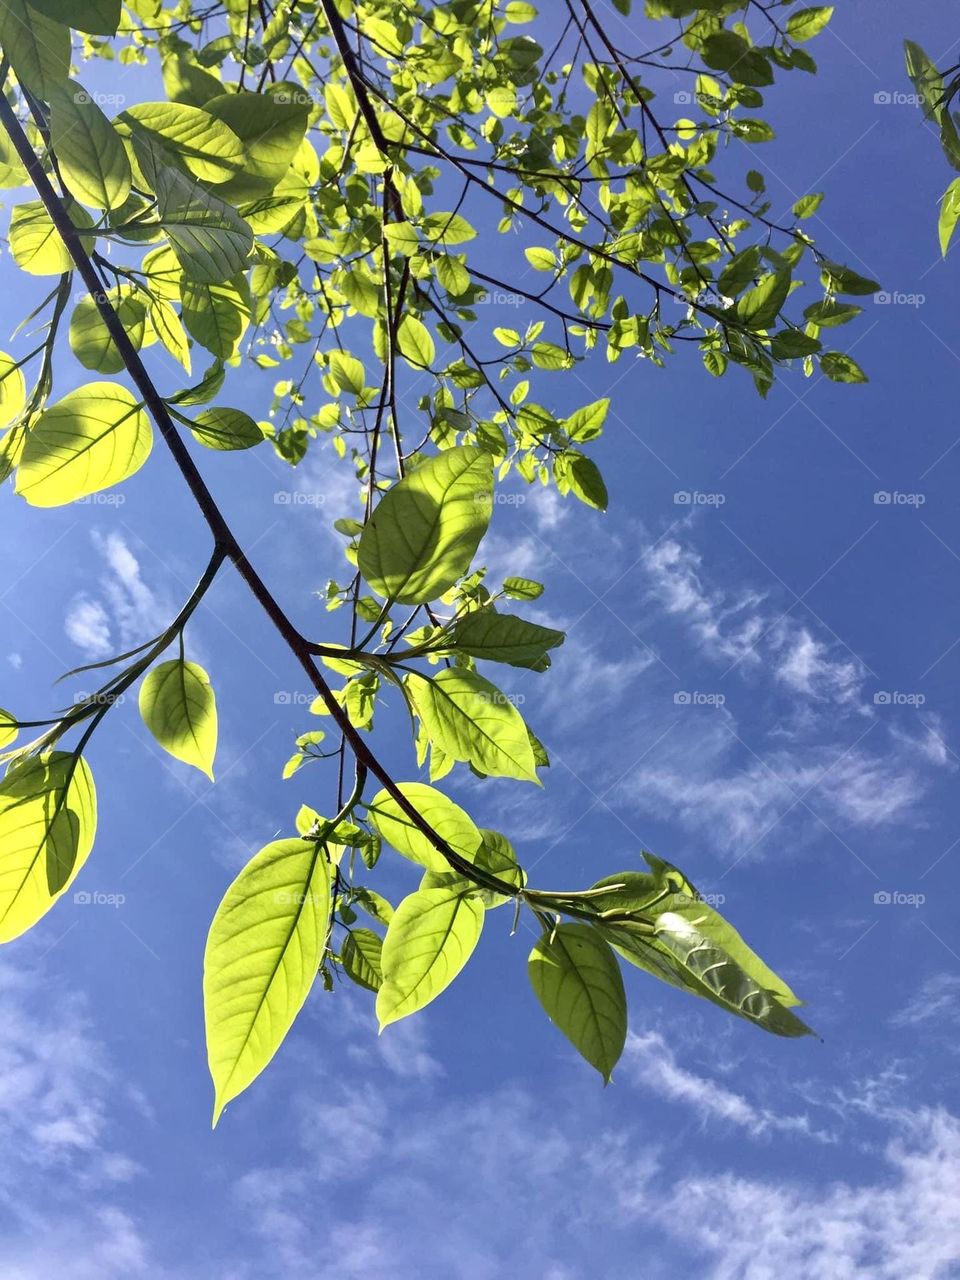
[
  {"x": 124, "y": 611},
  {"x": 936, "y": 1001},
  {"x": 87, "y": 624},
  {"x": 804, "y": 665},
  {"x": 904, "y": 1225},
  {"x": 650, "y": 1062}
]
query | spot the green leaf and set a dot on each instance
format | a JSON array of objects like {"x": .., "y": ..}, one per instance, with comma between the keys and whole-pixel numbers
[
  {"x": 522, "y": 588},
  {"x": 37, "y": 46},
  {"x": 449, "y": 821},
  {"x": 13, "y": 390},
  {"x": 841, "y": 368},
  {"x": 360, "y": 956},
  {"x": 209, "y": 237},
  {"x": 92, "y": 439},
  {"x": 495, "y": 855},
  {"x": 35, "y": 243},
  {"x": 840, "y": 279},
  {"x": 90, "y": 339},
  {"x": 347, "y": 372},
  {"x": 430, "y": 938},
  {"x": 263, "y": 951},
  {"x": 587, "y": 423},
  {"x": 469, "y": 719},
  {"x": 499, "y": 637},
  {"x": 271, "y": 127},
  {"x": 179, "y": 708},
  {"x": 577, "y": 980},
  {"x": 415, "y": 343},
  {"x": 207, "y": 146},
  {"x": 829, "y": 313},
  {"x": 97, "y": 17},
  {"x": 447, "y": 228},
  {"x": 8, "y": 728},
  {"x": 425, "y": 531},
  {"x": 760, "y": 306},
  {"x": 949, "y": 213},
  {"x": 90, "y": 153},
  {"x": 807, "y": 23},
  {"x": 226, "y": 429},
  {"x": 216, "y": 315},
  {"x": 579, "y": 475},
  {"x": 726, "y": 981},
  {"x": 807, "y": 206},
  {"x": 48, "y": 819}
]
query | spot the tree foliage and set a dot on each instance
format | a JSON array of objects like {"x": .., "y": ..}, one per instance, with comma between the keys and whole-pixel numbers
[{"x": 331, "y": 193}]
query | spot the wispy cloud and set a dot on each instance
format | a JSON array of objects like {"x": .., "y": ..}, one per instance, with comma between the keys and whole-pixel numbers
[{"x": 123, "y": 611}]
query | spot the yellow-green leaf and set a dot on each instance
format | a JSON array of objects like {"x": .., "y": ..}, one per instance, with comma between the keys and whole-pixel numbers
[
  {"x": 430, "y": 938},
  {"x": 13, "y": 390},
  {"x": 92, "y": 439},
  {"x": 179, "y": 708},
  {"x": 449, "y": 821},
  {"x": 577, "y": 980},
  {"x": 263, "y": 951},
  {"x": 48, "y": 819},
  {"x": 425, "y": 531},
  {"x": 90, "y": 153},
  {"x": 37, "y": 46}
]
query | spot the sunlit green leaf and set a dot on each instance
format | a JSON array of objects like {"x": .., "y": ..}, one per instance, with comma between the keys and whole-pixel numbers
[
  {"x": 449, "y": 821},
  {"x": 262, "y": 955},
  {"x": 179, "y": 708},
  {"x": 92, "y": 439},
  {"x": 430, "y": 938}
]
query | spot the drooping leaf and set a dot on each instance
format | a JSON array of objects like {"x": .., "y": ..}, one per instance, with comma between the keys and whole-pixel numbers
[
  {"x": 92, "y": 439},
  {"x": 179, "y": 708},
  {"x": 271, "y": 126},
  {"x": 361, "y": 958},
  {"x": 430, "y": 938},
  {"x": 209, "y": 237},
  {"x": 425, "y": 531},
  {"x": 216, "y": 315},
  {"x": 90, "y": 153},
  {"x": 8, "y": 728},
  {"x": 804, "y": 24},
  {"x": 949, "y": 213},
  {"x": 577, "y": 980},
  {"x": 48, "y": 819},
  {"x": 262, "y": 955},
  {"x": 469, "y": 719},
  {"x": 35, "y": 243}
]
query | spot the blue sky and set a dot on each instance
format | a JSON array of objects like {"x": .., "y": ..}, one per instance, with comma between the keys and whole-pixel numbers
[{"x": 759, "y": 684}]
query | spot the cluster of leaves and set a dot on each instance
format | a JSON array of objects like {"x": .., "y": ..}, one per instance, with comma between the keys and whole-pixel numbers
[
  {"x": 936, "y": 92},
  {"x": 306, "y": 195}
]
